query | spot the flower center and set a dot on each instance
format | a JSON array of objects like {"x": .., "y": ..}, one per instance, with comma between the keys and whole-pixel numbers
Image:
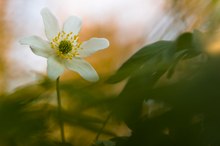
[{"x": 66, "y": 45}]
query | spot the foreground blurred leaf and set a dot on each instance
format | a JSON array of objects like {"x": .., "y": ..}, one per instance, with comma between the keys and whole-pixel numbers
[
  {"x": 22, "y": 119},
  {"x": 192, "y": 118},
  {"x": 146, "y": 67},
  {"x": 152, "y": 53},
  {"x": 161, "y": 55}
]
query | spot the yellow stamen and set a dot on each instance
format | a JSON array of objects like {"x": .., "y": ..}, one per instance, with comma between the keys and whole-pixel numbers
[{"x": 66, "y": 45}]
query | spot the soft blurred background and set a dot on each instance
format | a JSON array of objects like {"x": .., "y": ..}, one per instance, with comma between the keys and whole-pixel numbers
[
  {"x": 125, "y": 23},
  {"x": 166, "y": 94},
  {"x": 128, "y": 24}
]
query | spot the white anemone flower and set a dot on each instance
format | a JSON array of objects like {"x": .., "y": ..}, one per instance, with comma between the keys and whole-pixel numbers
[{"x": 63, "y": 48}]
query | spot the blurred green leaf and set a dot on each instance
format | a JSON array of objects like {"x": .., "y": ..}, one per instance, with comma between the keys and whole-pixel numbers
[
  {"x": 161, "y": 56},
  {"x": 144, "y": 55}
]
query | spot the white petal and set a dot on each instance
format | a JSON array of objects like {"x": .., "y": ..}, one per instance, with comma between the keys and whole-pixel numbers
[
  {"x": 83, "y": 68},
  {"x": 54, "y": 68},
  {"x": 38, "y": 45},
  {"x": 91, "y": 46},
  {"x": 50, "y": 23},
  {"x": 72, "y": 24}
]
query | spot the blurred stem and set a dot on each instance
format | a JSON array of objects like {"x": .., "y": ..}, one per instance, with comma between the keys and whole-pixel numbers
[
  {"x": 103, "y": 126},
  {"x": 59, "y": 111}
]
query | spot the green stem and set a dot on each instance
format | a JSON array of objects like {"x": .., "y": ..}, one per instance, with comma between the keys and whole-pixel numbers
[
  {"x": 59, "y": 111},
  {"x": 102, "y": 128}
]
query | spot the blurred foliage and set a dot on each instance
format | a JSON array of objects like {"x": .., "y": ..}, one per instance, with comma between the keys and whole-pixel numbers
[
  {"x": 183, "y": 111},
  {"x": 170, "y": 97}
]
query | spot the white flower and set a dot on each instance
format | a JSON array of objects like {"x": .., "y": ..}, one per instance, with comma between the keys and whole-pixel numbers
[{"x": 63, "y": 48}]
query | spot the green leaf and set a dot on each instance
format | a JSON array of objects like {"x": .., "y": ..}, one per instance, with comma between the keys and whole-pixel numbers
[
  {"x": 192, "y": 42},
  {"x": 145, "y": 54},
  {"x": 161, "y": 56}
]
